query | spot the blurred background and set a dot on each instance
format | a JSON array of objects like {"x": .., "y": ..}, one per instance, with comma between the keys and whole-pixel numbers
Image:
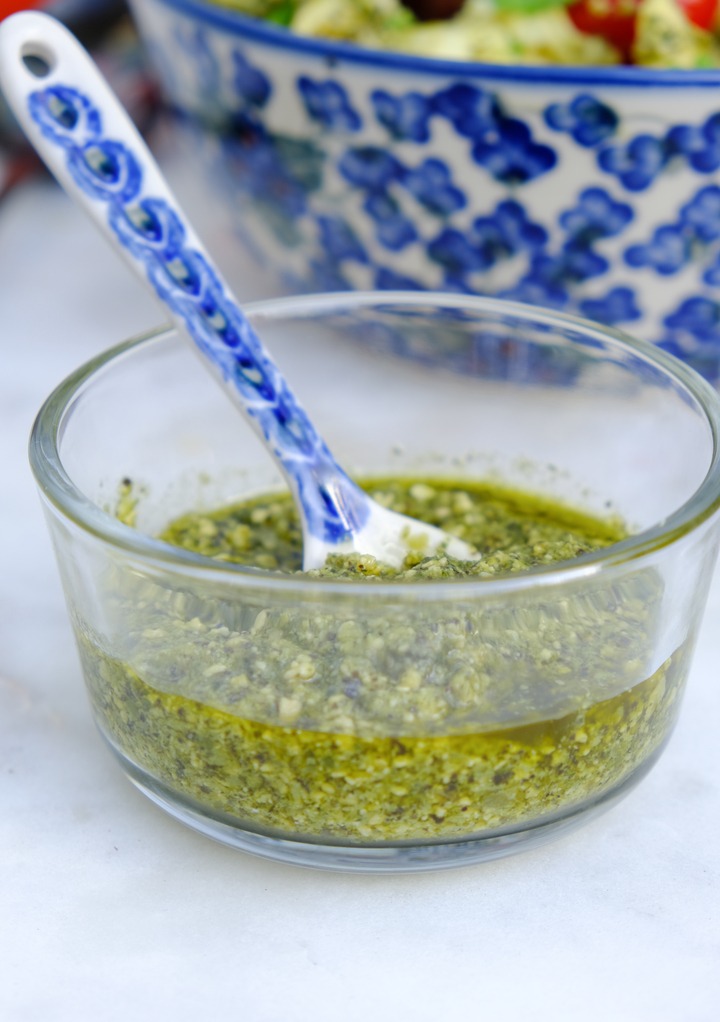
[{"x": 104, "y": 26}]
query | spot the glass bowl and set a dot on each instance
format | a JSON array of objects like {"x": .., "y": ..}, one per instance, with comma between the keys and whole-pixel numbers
[{"x": 387, "y": 726}]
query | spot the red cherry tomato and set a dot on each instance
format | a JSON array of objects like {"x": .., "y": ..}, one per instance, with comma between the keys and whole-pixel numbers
[
  {"x": 614, "y": 20},
  {"x": 700, "y": 12},
  {"x": 8, "y": 7}
]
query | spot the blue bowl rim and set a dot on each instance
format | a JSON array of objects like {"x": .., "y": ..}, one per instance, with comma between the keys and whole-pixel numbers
[{"x": 337, "y": 52}]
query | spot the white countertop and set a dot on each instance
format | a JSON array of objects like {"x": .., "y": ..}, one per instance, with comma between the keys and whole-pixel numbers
[{"x": 111, "y": 910}]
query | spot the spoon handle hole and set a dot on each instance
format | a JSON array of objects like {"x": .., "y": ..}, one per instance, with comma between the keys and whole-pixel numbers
[{"x": 38, "y": 59}]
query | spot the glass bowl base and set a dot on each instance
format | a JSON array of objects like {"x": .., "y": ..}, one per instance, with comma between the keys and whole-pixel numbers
[{"x": 405, "y": 857}]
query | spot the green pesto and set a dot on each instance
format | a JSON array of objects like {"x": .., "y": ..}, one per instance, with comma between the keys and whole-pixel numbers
[
  {"x": 513, "y": 531},
  {"x": 376, "y": 722}
]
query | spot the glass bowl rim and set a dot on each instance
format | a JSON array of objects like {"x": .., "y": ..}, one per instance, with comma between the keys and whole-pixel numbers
[
  {"x": 58, "y": 489},
  {"x": 276, "y": 36}
]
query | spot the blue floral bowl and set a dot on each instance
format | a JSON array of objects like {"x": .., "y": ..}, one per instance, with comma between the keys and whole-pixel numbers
[{"x": 587, "y": 190}]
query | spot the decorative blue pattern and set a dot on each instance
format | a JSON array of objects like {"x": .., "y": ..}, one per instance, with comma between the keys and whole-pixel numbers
[
  {"x": 597, "y": 215},
  {"x": 370, "y": 167},
  {"x": 393, "y": 229},
  {"x": 327, "y": 103},
  {"x": 674, "y": 246},
  {"x": 432, "y": 186},
  {"x": 339, "y": 240},
  {"x": 636, "y": 164},
  {"x": 405, "y": 117},
  {"x": 544, "y": 185},
  {"x": 153, "y": 233},
  {"x": 512, "y": 156},
  {"x": 250, "y": 84},
  {"x": 700, "y": 146},
  {"x": 489, "y": 240},
  {"x": 617, "y": 306},
  {"x": 588, "y": 121},
  {"x": 693, "y": 333}
]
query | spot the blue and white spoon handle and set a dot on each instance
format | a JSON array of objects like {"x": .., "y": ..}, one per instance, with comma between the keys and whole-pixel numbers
[{"x": 79, "y": 128}]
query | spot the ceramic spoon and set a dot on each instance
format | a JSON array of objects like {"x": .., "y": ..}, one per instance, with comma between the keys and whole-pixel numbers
[{"x": 79, "y": 128}]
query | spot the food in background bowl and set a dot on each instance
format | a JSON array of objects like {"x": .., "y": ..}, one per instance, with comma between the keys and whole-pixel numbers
[
  {"x": 591, "y": 190},
  {"x": 652, "y": 33},
  {"x": 389, "y": 723}
]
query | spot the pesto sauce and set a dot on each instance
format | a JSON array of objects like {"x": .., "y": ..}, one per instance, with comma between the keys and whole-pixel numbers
[
  {"x": 513, "y": 531},
  {"x": 383, "y": 722}
]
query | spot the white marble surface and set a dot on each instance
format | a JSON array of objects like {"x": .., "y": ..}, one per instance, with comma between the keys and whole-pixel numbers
[{"x": 111, "y": 910}]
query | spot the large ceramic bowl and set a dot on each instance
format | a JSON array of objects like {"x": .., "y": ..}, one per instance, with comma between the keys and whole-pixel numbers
[
  {"x": 591, "y": 191},
  {"x": 382, "y": 725}
]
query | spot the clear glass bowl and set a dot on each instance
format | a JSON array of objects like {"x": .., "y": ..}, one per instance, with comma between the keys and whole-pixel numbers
[{"x": 388, "y": 726}]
